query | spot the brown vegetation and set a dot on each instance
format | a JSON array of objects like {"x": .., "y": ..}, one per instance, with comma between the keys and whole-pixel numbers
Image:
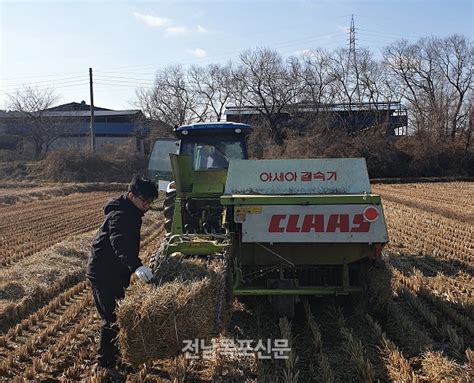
[{"x": 70, "y": 165}]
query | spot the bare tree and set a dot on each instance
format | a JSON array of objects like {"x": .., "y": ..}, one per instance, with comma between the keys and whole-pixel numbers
[
  {"x": 345, "y": 77},
  {"x": 455, "y": 61},
  {"x": 32, "y": 120},
  {"x": 316, "y": 79},
  {"x": 268, "y": 86},
  {"x": 436, "y": 81},
  {"x": 171, "y": 100},
  {"x": 213, "y": 87}
]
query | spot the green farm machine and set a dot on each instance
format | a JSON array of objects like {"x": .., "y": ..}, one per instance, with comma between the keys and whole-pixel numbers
[{"x": 290, "y": 228}]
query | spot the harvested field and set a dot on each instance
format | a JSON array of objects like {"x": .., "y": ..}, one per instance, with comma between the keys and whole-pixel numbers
[
  {"x": 49, "y": 327},
  {"x": 39, "y": 225},
  {"x": 12, "y": 193}
]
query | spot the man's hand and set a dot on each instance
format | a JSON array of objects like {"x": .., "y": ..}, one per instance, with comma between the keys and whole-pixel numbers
[{"x": 144, "y": 273}]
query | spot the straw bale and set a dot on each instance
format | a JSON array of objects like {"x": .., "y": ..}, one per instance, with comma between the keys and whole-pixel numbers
[{"x": 183, "y": 304}]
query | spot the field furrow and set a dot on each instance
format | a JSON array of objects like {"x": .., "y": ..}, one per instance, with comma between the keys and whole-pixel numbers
[
  {"x": 416, "y": 232},
  {"x": 426, "y": 199},
  {"x": 25, "y": 239}
]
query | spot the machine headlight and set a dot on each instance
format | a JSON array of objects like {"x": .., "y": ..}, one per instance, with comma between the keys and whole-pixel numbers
[{"x": 238, "y": 130}]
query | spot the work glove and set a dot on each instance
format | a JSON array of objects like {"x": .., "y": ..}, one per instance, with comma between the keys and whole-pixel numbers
[{"x": 144, "y": 273}]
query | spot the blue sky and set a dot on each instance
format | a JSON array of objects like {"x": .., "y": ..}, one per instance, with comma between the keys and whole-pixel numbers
[{"x": 53, "y": 43}]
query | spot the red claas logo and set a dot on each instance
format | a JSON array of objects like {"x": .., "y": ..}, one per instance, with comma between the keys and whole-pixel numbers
[
  {"x": 319, "y": 223},
  {"x": 371, "y": 214}
]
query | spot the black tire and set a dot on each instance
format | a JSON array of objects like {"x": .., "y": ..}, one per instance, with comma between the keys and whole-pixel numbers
[
  {"x": 168, "y": 225},
  {"x": 169, "y": 198},
  {"x": 168, "y": 210},
  {"x": 284, "y": 306},
  {"x": 155, "y": 258},
  {"x": 225, "y": 299},
  {"x": 375, "y": 278},
  {"x": 229, "y": 292}
]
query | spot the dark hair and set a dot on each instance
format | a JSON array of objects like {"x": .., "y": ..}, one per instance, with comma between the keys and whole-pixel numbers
[{"x": 143, "y": 187}]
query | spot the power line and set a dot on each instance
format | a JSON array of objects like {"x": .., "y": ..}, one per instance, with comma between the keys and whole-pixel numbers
[
  {"x": 44, "y": 87},
  {"x": 231, "y": 54},
  {"x": 44, "y": 75},
  {"x": 404, "y": 36},
  {"x": 121, "y": 77},
  {"x": 113, "y": 78},
  {"x": 64, "y": 78},
  {"x": 122, "y": 85}
]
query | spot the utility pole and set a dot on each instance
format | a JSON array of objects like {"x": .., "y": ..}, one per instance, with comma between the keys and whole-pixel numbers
[{"x": 92, "y": 113}]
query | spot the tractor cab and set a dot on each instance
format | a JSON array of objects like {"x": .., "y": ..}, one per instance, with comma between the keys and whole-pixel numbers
[
  {"x": 212, "y": 146},
  {"x": 209, "y": 146},
  {"x": 199, "y": 172}
]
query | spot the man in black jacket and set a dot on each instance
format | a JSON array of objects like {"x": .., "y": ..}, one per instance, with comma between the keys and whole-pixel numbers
[{"x": 113, "y": 259}]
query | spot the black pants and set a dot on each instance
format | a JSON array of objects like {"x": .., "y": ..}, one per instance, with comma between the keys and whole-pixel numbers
[{"x": 105, "y": 298}]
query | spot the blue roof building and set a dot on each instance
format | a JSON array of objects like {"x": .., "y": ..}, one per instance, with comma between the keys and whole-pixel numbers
[{"x": 71, "y": 122}]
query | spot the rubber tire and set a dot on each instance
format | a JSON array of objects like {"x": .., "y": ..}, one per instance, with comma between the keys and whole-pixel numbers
[
  {"x": 375, "y": 278},
  {"x": 169, "y": 198},
  {"x": 155, "y": 257},
  {"x": 168, "y": 210},
  {"x": 284, "y": 306}
]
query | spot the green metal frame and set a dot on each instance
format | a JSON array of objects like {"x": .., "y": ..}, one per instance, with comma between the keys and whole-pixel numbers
[
  {"x": 237, "y": 200},
  {"x": 196, "y": 182},
  {"x": 192, "y": 244},
  {"x": 316, "y": 290}
]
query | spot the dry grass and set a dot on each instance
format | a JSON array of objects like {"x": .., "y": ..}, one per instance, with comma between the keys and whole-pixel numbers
[
  {"x": 290, "y": 373},
  {"x": 156, "y": 318},
  {"x": 437, "y": 368},
  {"x": 325, "y": 371},
  {"x": 398, "y": 367},
  {"x": 425, "y": 196}
]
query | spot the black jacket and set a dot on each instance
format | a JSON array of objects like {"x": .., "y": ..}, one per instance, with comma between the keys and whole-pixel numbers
[{"x": 115, "y": 248}]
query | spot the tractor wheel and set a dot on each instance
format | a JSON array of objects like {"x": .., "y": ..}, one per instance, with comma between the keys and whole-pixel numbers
[
  {"x": 223, "y": 310},
  {"x": 155, "y": 258},
  {"x": 168, "y": 210},
  {"x": 229, "y": 291},
  {"x": 375, "y": 278},
  {"x": 284, "y": 306},
  {"x": 169, "y": 198}
]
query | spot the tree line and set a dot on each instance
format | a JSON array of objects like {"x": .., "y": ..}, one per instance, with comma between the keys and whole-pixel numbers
[{"x": 432, "y": 77}]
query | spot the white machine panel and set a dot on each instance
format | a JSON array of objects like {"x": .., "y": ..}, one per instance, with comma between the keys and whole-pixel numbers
[
  {"x": 312, "y": 223},
  {"x": 311, "y": 176}
]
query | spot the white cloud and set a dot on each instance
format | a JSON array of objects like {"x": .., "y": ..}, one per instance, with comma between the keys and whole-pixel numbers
[
  {"x": 169, "y": 26},
  {"x": 176, "y": 31},
  {"x": 198, "y": 53},
  {"x": 152, "y": 21},
  {"x": 201, "y": 29}
]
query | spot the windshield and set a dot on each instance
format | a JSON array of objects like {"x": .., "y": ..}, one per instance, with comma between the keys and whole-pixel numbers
[
  {"x": 159, "y": 166},
  {"x": 212, "y": 154}
]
